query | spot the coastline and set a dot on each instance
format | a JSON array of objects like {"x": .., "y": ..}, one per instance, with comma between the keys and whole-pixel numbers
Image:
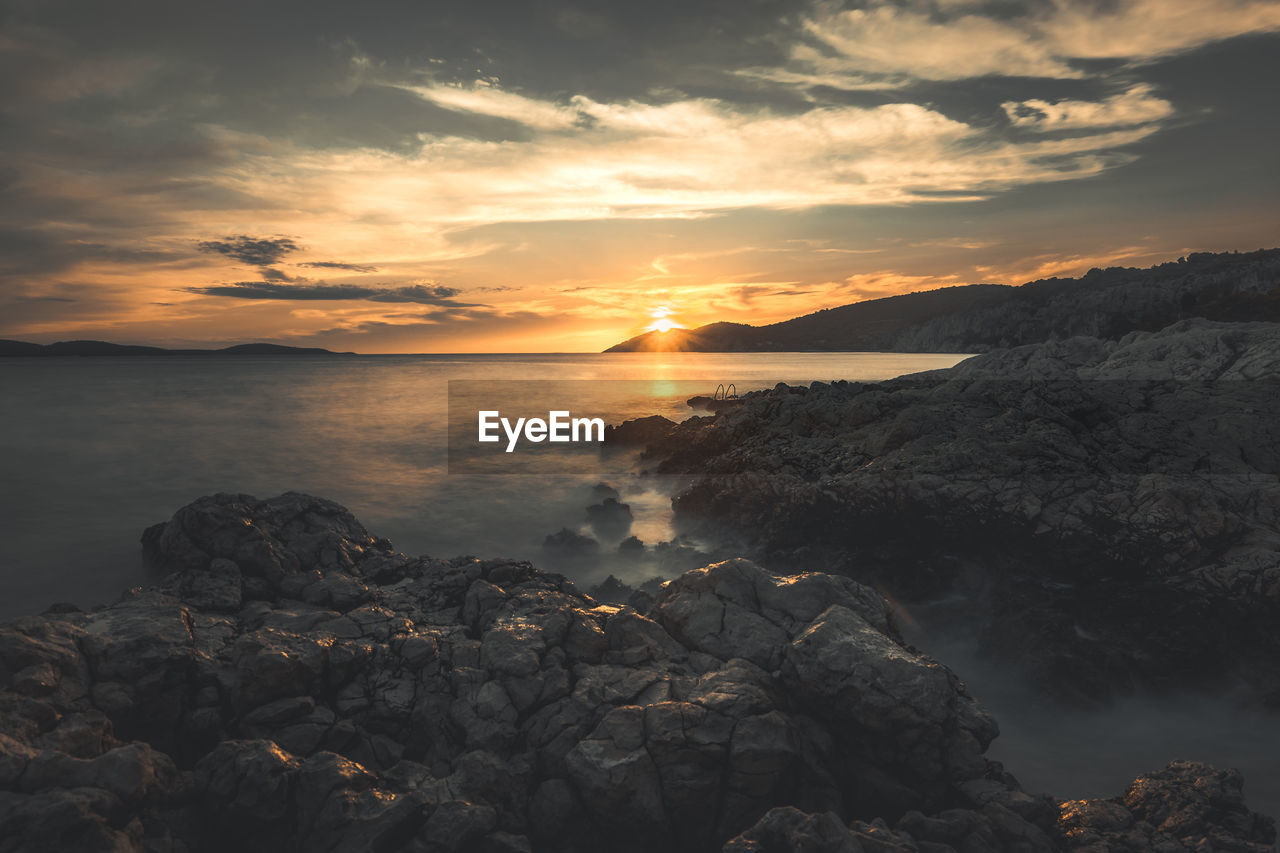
[
  {"x": 289, "y": 653},
  {"x": 1106, "y": 508},
  {"x": 295, "y": 681}
]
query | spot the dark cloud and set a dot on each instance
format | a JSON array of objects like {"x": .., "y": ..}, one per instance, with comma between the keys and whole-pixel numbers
[
  {"x": 30, "y": 251},
  {"x": 434, "y": 321},
  {"x": 260, "y": 251},
  {"x": 422, "y": 294},
  {"x": 294, "y": 65},
  {"x": 435, "y": 318},
  {"x": 338, "y": 265}
]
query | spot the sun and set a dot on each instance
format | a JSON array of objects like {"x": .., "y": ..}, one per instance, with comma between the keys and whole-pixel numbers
[{"x": 662, "y": 321}]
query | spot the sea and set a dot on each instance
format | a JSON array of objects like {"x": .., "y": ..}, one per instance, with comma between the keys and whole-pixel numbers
[{"x": 94, "y": 450}]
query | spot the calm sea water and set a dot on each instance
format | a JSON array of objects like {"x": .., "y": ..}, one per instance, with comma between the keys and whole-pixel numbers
[{"x": 94, "y": 450}]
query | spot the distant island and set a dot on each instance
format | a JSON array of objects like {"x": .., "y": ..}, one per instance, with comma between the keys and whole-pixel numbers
[
  {"x": 1104, "y": 303},
  {"x": 102, "y": 348}
]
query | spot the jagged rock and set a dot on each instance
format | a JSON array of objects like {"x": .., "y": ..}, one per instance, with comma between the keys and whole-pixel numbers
[
  {"x": 610, "y": 591},
  {"x": 567, "y": 543},
  {"x": 268, "y": 539},
  {"x": 632, "y": 546},
  {"x": 789, "y": 830},
  {"x": 609, "y": 519},
  {"x": 604, "y": 491},
  {"x": 486, "y": 705},
  {"x": 1185, "y": 806},
  {"x": 1111, "y": 507},
  {"x": 677, "y": 556}
]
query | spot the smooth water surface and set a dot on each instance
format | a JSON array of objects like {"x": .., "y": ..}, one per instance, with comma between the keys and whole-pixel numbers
[{"x": 93, "y": 450}]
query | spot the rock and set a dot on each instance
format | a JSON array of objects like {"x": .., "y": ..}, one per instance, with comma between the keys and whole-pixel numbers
[
  {"x": 126, "y": 772},
  {"x": 789, "y": 830},
  {"x": 269, "y": 539},
  {"x": 1185, "y": 806},
  {"x": 631, "y": 547},
  {"x": 1135, "y": 475},
  {"x": 603, "y": 491},
  {"x": 567, "y": 543},
  {"x": 280, "y": 711},
  {"x": 489, "y": 706},
  {"x": 217, "y": 587},
  {"x": 609, "y": 519},
  {"x": 639, "y": 431},
  {"x": 457, "y": 825},
  {"x": 611, "y": 591}
]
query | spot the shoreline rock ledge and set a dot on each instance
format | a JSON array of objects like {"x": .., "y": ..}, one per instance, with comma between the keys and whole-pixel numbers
[
  {"x": 1108, "y": 511},
  {"x": 294, "y": 683}
]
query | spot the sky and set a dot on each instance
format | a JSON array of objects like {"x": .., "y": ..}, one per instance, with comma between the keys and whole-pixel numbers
[{"x": 556, "y": 177}]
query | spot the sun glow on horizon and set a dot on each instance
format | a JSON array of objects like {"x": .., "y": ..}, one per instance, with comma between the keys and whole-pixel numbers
[{"x": 662, "y": 322}]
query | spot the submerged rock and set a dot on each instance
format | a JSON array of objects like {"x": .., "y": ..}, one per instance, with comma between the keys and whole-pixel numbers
[
  {"x": 632, "y": 547},
  {"x": 360, "y": 699},
  {"x": 602, "y": 491},
  {"x": 571, "y": 544},
  {"x": 610, "y": 519}
]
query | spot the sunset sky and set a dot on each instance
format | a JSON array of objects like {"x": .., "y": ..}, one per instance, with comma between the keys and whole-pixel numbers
[{"x": 551, "y": 176}]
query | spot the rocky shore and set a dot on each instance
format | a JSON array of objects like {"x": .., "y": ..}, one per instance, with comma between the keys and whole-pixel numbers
[
  {"x": 1110, "y": 510},
  {"x": 295, "y": 684}
]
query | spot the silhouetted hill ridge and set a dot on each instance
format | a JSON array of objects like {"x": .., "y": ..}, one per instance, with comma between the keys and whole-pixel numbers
[
  {"x": 1106, "y": 303},
  {"x": 104, "y": 348}
]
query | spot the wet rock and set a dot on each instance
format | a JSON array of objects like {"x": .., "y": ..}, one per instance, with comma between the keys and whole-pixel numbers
[
  {"x": 632, "y": 546},
  {"x": 567, "y": 543},
  {"x": 603, "y": 491},
  {"x": 609, "y": 519}
]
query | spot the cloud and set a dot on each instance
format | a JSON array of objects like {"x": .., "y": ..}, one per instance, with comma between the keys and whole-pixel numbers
[
  {"x": 551, "y": 157},
  {"x": 692, "y": 157},
  {"x": 483, "y": 98},
  {"x": 338, "y": 265},
  {"x": 422, "y": 294},
  {"x": 876, "y": 285},
  {"x": 889, "y": 44},
  {"x": 1142, "y": 31},
  {"x": 260, "y": 252},
  {"x": 892, "y": 45},
  {"x": 1137, "y": 106}
]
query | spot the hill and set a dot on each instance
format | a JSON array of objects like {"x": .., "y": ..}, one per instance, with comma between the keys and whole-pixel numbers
[
  {"x": 1104, "y": 303},
  {"x": 103, "y": 348}
]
